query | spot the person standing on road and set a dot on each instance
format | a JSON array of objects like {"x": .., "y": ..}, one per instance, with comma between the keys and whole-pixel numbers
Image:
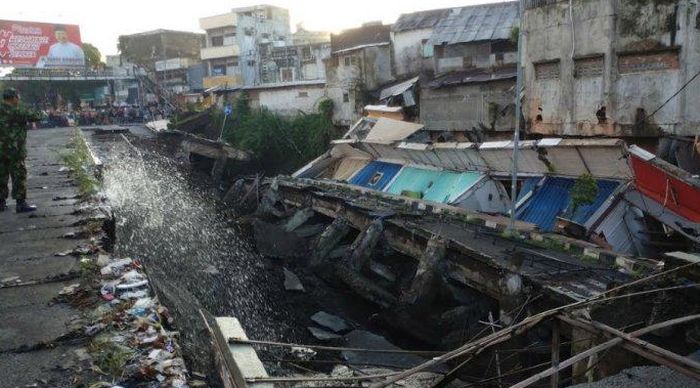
[{"x": 13, "y": 150}]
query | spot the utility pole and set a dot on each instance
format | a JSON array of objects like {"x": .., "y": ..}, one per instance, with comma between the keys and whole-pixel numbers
[{"x": 516, "y": 133}]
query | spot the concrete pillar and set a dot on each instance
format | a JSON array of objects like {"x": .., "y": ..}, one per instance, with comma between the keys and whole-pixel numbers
[
  {"x": 423, "y": 289},
  {"x": 363, "y": 246},
  {"x": 218, "y": 170},
  {"x": 329, "y": 239}
]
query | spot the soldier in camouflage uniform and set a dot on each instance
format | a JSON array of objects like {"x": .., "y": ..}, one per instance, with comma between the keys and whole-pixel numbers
[{"x": 13, "y": 150}]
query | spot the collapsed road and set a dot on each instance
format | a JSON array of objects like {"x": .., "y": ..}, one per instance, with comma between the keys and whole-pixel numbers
[
  {"x": 199, "y": 258},
  {"x": 427, "y": 278}
]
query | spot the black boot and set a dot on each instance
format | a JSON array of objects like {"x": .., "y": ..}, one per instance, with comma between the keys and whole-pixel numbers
[
  {"x": 24, "y": 207},
  {"x": 3, "y": 205}
]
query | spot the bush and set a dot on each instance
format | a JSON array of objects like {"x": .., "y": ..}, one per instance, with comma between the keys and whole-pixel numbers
[{"x": 280, "y": 144}]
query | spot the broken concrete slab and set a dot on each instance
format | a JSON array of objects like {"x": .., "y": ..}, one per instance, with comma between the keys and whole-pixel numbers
[
  {"x": 284, "y": 245},
  {"x": 366, "y": 340},
  {"x": 246, "y": 360},
  {"x": 292, "y": 282},
  {"x": 330, "y": 321},
  {"x": 323, "y": 335}
]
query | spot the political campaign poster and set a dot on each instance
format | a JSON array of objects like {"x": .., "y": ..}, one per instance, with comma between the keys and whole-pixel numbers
[{"x": 40, "y": 45}]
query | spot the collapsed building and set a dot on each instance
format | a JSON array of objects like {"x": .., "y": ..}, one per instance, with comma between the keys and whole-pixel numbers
[{"x": 421, "y": 229}]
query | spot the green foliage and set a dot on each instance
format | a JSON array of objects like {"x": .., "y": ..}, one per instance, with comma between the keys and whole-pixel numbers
[
  {"x": 584, "y": 192},
  {"x": 280, "y": 144},
  {"x": 79, "y": 161},
  {"x": 515, "y": 34},
  {"x": 93, "y": 57}
]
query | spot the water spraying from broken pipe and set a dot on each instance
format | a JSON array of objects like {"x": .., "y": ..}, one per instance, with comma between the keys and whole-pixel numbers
[{"x": 194, "y": 257}]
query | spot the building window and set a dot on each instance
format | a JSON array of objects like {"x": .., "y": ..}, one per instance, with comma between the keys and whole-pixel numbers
[
  {"x": 218, "y": 70},
  {"x": 306, "y": 54},
  {"x": 346, "y": 97},
  {"x": 427, "y": 48},
  {"x": 217, "y": 41},
  {"x": 351, "y": 60},
  {"x": 251, "y": 63},
  {"x": 547, "y": 70},
  {"x": 589, "y": 67},
  {"x": 230, "y": 39},
  {"x": 265, "y": 35},
  {"x": 287, "y": 74},
  {"x": 303, "y": 94},
  {"x": 648, "y": 61}
]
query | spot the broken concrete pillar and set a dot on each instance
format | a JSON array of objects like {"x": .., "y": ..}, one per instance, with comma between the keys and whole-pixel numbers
[
  {"x": 423, "y": 289},
  {"x": 235, "y": 192},
  {"x": 219, "y": 166},
  {"x": 329, "y": 239},
  {"x": 364, "y": 286},
  {"x": 269, "y": 201},
  {"x": 298, "y": 219},
  {"x": 363, "y": 246}
]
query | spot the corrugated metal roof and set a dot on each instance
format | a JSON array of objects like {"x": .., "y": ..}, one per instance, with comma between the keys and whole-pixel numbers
[
  {"x": 365, "y": 36},
  {"x": 473, "y": 76},
  {"x": 397, "y": 89},
  {"x": 376, "y": 175},
  {"x": 476, "y": 23},
  {"x": 436, "y": 186},
  {"x": 553, "y": 199},
  {"x": 419, "y": 20}
]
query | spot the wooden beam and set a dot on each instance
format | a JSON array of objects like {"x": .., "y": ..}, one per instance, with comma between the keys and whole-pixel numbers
[
  {"x": 556, "y": 342},
  {"x": 645, "y": 349},
  {"x": 597, "y": 349}
]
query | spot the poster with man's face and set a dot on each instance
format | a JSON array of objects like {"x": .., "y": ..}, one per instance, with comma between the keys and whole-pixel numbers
[{"x": 40, "y": 45}]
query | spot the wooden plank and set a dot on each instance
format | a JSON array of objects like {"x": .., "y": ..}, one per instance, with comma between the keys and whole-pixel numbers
[
  {"x": 645, "y": 349},
  {"x": 556, "y": 341},
  {"x": 597, "y": 349}
]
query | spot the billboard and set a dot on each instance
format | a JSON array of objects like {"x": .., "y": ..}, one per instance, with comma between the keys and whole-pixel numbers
[{"x": 40, "y": 45}]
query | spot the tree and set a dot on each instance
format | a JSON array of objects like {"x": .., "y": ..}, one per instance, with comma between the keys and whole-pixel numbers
[
  {"x": 93, "y": 57},
  {"x": 584, "y": 192}
]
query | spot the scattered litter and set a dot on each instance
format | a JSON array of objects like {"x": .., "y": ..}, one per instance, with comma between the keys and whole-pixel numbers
[
  {"x": 115, "y": 268},
  {"x": 330, "y": 321},
  {"x": 292, "y": 282},
  {"x": 130, "y": 328},
  {"x": 303, "y": 354},
  {"x": 69, "y": 290}
]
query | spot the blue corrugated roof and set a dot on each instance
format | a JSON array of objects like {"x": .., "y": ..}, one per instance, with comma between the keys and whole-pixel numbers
[
  {"x": 553, "y": 199},
  {"x": 436, "y": 186},
  {"x": 376, "y": 175}
]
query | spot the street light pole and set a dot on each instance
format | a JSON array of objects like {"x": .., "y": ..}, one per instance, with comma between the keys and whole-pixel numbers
[{"x": 516, "y": 133}]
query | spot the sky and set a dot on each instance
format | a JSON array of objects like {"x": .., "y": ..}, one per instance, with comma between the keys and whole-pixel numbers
[{"x": 102, "y": 22}]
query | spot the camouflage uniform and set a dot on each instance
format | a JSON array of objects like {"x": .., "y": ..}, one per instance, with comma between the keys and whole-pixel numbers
[{"x": 13, "y": 149}]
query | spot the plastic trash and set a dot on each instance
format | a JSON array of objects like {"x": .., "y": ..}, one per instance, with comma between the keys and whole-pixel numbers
[
  {"x": 115, "y": 268},
  {"x": 131, "y": 286},
  {"x": 108, "y": 291}
]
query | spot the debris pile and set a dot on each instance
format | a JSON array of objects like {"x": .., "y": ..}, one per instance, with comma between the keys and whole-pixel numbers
[{"x": 130, "y": 341}]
